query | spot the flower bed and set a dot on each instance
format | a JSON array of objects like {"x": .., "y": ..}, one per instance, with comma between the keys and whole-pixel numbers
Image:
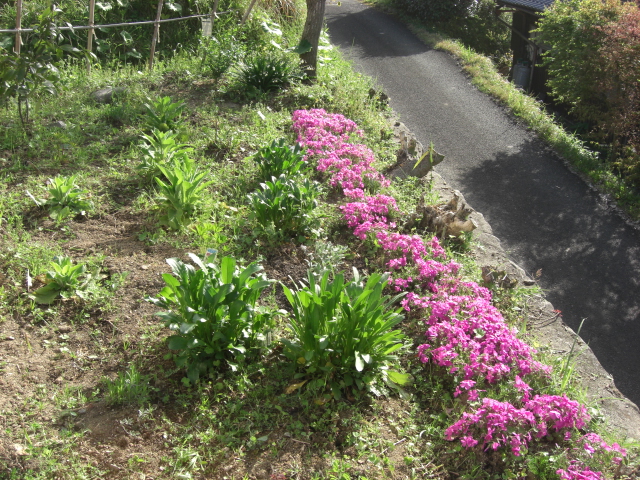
[{"x": 466, "y": 334}]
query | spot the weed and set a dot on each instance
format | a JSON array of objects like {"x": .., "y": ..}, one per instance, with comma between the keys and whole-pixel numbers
[
  {"x": 285, "y": 203},
  {"x": 65, "y": 198},
  {"x": 278, "y": 158},
  {"x": 161, "y": 149},
  {"x": 180, "y": 195},
  {"x": 129, "y": 386},
  {"x": 264, "y": 73},
  {"x": 66, "y": 280},
  {"x": 164, "y": 115}
]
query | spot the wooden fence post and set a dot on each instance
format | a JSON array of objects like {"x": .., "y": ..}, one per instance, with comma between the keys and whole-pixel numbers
[
  {"x": 18, "y": 43},
  {"x": 213, "y": 12},
  {"x": 156, "y": 34},
  {"x": 246, "y": 14},
  {"x": 92, "y": 6}
]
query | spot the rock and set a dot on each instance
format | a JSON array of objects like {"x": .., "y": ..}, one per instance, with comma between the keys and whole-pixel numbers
[
  {"x": 58, "y": 124},
  {"x": 411, "y": 159},
  {"x": 446, "y": 220},
  {"x": 107, "y": 94}
]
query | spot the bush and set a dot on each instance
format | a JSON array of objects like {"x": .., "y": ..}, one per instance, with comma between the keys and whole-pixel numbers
[
  {"x": 619, "y": 55},
  {"x": 472, "y": 22},
  {"x": 574, "y": 32},
  {"x": 593, "y": 69},
  {"x": 213, "y": 313}
]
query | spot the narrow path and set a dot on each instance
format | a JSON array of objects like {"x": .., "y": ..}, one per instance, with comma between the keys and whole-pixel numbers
[{"x": 545, "y": 216}]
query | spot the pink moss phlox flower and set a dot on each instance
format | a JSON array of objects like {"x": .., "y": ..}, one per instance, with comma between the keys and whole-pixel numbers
[
  {"x": 466, "y": 334},
  {"x": 579, "y": 471},
  {"x": 592, "y": 443},
  {"x": 371, "y": 213},
  {"x": 495, "y": 424},
  {"x": 523, "y": 387},
  {"x": 471, "y": 331},
  {"x": 325, "y": 136},
  {"x": 556, "y": 413}
]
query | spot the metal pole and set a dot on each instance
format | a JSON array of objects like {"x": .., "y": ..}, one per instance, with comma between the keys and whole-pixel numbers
[
  {"x": 156, "y": 34},
  {"x": 18, "y": 43},
  {"x": 92, "y": 5}
]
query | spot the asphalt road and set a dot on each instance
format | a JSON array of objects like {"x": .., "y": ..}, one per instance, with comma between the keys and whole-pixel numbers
[{"x": 546, "y": 217}]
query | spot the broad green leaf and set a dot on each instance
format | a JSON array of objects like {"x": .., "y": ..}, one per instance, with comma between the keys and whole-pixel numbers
[
  {"x": 227, "y": 269},
  {"x": 47, "y": 294},
  {"x": 303, "y": 47},
  {"x": 399, "y": 378},
  {"x": 177, "y": 342}
]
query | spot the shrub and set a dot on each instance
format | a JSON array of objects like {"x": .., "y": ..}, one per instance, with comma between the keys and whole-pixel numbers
[
  {"x": 593, "y": 69},
  {"x": 342, "y": 332},
  {"x": 573, "y": 31},
  {"x": 619, "y": 56},
  {"x": 213, "y": 314},
  {"x": 35, "y": 69}
]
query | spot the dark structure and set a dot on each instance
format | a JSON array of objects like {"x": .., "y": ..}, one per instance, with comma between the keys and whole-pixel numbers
[{"x": 526, "y": 70}]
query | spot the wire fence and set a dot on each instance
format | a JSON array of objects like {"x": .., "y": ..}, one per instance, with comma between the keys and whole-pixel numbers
[{"x": 91, "y": 27}]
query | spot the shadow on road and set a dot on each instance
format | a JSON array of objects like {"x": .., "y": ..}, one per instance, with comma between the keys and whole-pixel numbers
[
  {"x": 590, "y": 262},
  {"x": 380, "y": 42}
]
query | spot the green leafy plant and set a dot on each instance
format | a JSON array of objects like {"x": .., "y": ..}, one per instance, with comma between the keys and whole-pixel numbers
[
  {"x": 278, "y": 158},
  {"x": 66, "y": 280},
  {"x": 164, "y": 115},
  {"x": 213, "y": 312},
  {"x": 265, "y": 73},
  {"x": 180, "y": 194},
  {"x": 342, "y": 332},
  {"x": 129, "y": 386},
  {"x": 325, "y": 256},
  {"x": 65, "y": 198},
  {"x": 219, "y": 53},
  {"x": 35, "y": 68},
  {"x": 162, "y": 148},
  {"x": 285, "y": 203}
]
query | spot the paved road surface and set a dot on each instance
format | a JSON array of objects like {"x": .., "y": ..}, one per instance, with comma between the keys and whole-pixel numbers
[{"x": 546, "y": 217}]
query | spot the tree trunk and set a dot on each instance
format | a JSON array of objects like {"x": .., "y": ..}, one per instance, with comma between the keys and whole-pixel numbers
[{"x": 311, "y": 33}]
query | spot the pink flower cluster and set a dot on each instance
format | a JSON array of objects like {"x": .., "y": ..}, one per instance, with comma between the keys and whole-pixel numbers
[
  {"x": 591, "y": 443},
  {"x": 579, "y": 471},
  {"x": 501, "y": 424},
  {"x": 470, "y": 338},
  {"x": 326, "y": 137},
  {"x": 369, "y": 214},
  {"x": 467, "y": 335}
]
